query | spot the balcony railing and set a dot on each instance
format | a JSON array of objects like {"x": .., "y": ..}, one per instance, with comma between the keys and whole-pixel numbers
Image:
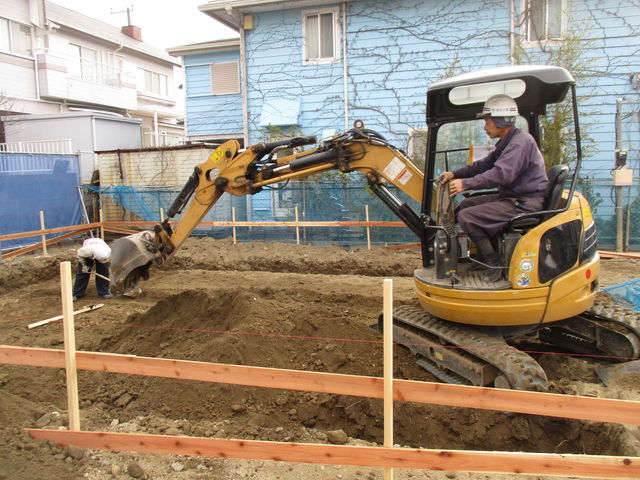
[
  {"x": 90, "y": 70},
  {"x": 165, "y": 139},
  {"x": 60, "y": 147}
]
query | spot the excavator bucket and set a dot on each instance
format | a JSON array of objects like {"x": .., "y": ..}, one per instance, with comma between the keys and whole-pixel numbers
[{"x": 131, "y": 257}]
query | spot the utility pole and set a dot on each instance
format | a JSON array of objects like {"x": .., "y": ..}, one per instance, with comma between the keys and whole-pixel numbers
[{"x": 622, "y": 176}]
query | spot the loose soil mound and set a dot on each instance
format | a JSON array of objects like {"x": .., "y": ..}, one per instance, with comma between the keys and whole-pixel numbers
[{"x": 260, "y": 304}]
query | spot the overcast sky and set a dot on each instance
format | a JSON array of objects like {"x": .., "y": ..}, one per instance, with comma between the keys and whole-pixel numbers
[{"x": 164, "y": 23}]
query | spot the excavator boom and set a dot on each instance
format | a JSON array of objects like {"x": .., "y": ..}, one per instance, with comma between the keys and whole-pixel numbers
[{"x": 245, "y": 172}]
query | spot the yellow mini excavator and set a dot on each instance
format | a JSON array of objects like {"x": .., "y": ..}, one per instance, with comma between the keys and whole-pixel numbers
[{"x": 467, "y": 328}]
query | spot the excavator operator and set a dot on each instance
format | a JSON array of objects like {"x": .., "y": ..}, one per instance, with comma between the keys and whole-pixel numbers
[{"x": 515, "y": 168}]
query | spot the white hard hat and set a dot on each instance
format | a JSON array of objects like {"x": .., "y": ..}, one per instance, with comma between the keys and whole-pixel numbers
[{"x": 499, "y": 106}]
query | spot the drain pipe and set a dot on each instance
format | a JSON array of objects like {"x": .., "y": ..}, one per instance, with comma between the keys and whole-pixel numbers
[
  {"x": 619, "y": 188},
  {"x": 245, "y": 105},
  {"x": 345, "y": 67},
  {"x": 243, "y": 79}
]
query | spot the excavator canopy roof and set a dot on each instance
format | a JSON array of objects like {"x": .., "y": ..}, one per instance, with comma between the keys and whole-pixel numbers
[{"x": 461, "y": 97}]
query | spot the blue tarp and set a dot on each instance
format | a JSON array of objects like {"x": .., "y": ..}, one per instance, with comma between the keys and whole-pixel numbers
[
  {"x": 626, "y": 294},
  {"x": 30, "y": 183},
  {"x": 143, "y": 202}
]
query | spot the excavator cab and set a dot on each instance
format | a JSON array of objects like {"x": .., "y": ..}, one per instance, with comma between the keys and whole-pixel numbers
[
  {"x": 468, "y": 328},
  {"x": 549, "y": 258}
]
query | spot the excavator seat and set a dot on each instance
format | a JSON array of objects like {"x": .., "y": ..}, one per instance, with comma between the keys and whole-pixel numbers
[{"x": 557, "y": 177}]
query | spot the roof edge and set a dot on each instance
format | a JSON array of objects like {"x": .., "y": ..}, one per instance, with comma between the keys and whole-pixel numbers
[
  {"x": 230, "y": 12},
  {"x": 224, "y": 44}
]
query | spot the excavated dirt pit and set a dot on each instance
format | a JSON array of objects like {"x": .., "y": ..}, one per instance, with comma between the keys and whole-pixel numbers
[{"x": 271, "y": 305}]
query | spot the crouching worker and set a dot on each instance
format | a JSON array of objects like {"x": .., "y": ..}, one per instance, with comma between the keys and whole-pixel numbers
[{"x": 94, "y": 254}]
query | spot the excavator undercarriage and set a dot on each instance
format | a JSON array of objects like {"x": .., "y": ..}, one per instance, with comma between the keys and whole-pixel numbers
[{"x": 492, "y": 356}]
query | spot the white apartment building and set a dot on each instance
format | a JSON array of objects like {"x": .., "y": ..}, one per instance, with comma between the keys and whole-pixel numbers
[{"x": 54, "y": 61}]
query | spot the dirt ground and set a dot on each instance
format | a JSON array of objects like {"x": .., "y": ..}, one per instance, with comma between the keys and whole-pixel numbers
[{"x": 262, "y": 304}]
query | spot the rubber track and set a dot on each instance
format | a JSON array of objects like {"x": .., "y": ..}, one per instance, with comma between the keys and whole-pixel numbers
[
  {"x": 605, "y": 309},
  {"x": 522, "y": 371}
]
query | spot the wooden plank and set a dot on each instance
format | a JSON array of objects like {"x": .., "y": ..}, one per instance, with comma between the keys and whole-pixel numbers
[
  {"x": 69, "y": 346},
  {"x": 88, "y": 308},
  {"x": 269, "y": 224},
  {"x": 37, "y": 233},
  {"x": 44, "y": 237},
  {"x": 366, "y": 216},
  {"x": 406, "y": 246},
  {"x": 124, "y": 231},
  {"x": 610, "y": 254},
  {"x": 536, "y": 403},
  {"x": 51, "y": 241},
  {"x": 306, "y": 224},
  {"x": 587, "y": 466},
  {"x": 388, "y": 368},
  {"x": 139, "y": 223}
]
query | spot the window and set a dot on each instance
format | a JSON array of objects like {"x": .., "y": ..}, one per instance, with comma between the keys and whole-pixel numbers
[
  {"x": 224, "y": 78},
  {"x": 15, "y": 37},
  {"x": 544, "y": 20},
  {"x": 112, "y": 69},
  {"x": 152, "y": 82},
  {"x": 320, "y": 36},
  {"x": 84, "y": 63}
]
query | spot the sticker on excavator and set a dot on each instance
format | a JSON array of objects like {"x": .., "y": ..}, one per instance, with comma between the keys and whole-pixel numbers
[
  {"x": 404, "y": 177},
  {"x": 523, "y": 280},
  {"x": 526, "y": 265},
  {"x": 396, "y": 170}
]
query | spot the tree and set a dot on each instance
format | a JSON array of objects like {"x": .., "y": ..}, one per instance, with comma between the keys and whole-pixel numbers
[{"x": 558, "y": 134}]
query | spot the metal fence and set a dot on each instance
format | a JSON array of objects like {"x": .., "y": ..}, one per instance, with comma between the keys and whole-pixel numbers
[
  {"x": 315, "y": 201},
  {"x": 601, "y": 196},
  {"x": 347, "y": 201}
]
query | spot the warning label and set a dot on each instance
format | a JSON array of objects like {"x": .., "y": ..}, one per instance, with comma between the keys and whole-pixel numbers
[{"x": 397, "y": 171}]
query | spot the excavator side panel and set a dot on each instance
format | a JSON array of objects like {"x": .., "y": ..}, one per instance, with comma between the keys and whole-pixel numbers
[
  {"x": 574, "y": 292},
  {"x": 546, "y": 280},
  {"x": 483, "y": 307}
]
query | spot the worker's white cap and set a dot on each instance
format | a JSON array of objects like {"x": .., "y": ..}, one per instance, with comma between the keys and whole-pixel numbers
[{"x": 102, "y": 253}]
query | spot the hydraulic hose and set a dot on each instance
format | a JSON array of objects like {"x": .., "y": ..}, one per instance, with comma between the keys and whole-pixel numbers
[{"x": 266, "y": 147}]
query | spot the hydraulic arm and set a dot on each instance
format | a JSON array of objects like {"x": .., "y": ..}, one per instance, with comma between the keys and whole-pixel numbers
[{"x": 245, "y": 172}]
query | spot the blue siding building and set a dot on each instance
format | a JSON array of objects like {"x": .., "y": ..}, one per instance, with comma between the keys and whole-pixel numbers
[
  {"x": 212, "y": 90},
  {"x": 313, "y": 68}
]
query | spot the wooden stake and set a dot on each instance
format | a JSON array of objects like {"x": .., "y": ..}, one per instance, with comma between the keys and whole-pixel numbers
[
  {"x": 44, "y": 237},
  {"x": 161, "y": 214},
  {"x": 297, "y": 227},
  {"x": 69, "y": 346},
  {"x": 388, "y": 369},
  {"x": 101, "y": 224},
  {"x": 366, "y": 217},
  {"x": 88, "y": 308},
  {"x": 233, "y": 224}
]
